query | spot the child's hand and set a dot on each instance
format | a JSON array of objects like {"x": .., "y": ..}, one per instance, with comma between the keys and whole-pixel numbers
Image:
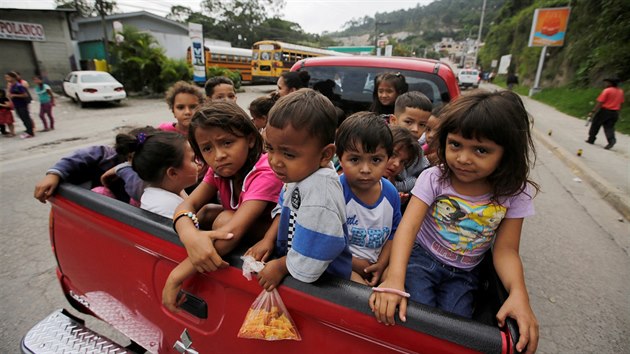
[
  {"x": 404, "y": 197},
  {"x": 109, "y": 176},
  {"x": 273, "y": 273},
  {"x": 517, "y": 307},
  {"x": 169, "y": 295},
  {"x": 202, "y": 253},
  {"x": 384, "y": 304},
  {"x": 359, "y": 265},
  {"x": 376, "y": 270},
  {"x": 46, "y": 187},
  {"x": 261, "y": 250}
]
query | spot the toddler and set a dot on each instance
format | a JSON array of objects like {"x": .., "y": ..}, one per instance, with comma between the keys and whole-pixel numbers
[{"x": 182, "y": 99}]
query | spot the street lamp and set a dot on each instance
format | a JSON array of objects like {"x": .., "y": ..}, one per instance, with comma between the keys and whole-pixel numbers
[{"x": 376, "y": 24}]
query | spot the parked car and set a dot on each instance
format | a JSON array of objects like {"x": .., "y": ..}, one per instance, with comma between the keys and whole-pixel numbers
[
  {"x": 349, "y": 81},
  {"x": 93, "y": 86},
  {"x": 468, "y": 78}
]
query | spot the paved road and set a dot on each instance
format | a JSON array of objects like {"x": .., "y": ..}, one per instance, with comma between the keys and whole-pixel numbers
[{"x": 574, "y": 250}]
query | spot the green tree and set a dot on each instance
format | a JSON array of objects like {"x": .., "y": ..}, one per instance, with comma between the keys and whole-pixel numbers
[{"x": 85, "y": 8}]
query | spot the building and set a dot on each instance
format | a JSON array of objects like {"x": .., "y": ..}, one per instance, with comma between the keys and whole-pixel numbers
[
  {"x": 170, "y": 35},
  {"x": 37, "y": 42}
]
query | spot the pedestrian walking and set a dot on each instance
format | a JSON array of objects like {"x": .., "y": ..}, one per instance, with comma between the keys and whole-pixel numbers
[
  {"x": 20, "y": 98},
  {"x": 512, "y": 80},
  {"x": 606, "y": 112},
  {"x": 46, "y": 102}
]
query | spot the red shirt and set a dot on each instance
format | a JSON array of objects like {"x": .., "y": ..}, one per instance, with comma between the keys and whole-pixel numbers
[{"x": 611, "y": 98}]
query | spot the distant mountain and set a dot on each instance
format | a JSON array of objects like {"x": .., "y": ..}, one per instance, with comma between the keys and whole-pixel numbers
[{"x": 458, "y": 19}]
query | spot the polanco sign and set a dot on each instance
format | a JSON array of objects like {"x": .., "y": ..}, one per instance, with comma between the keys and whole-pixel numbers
[{"x": 21, "y": 31}]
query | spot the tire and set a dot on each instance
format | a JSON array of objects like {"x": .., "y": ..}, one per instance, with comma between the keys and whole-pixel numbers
[{"x": 81, "y": 103}]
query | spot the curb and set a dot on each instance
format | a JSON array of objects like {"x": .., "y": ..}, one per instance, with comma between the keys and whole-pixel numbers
[{"x": 613, "y": 196}]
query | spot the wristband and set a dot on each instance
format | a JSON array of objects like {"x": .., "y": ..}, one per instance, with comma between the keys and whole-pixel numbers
[
  {"x": 391, "y": 291},
  {"x": 189, "y": 214}
]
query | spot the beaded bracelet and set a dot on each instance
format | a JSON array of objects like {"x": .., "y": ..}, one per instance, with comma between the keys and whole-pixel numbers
[
  {"x": 391, "y": 291},
  {"x": 189, "y": 214}
]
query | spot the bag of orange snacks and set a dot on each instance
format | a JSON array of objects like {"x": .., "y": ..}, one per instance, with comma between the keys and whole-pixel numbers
[{"x": 267, "y": 318}]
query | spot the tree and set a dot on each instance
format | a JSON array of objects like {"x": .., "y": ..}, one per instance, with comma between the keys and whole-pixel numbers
[{"x": 85, "y": 8}]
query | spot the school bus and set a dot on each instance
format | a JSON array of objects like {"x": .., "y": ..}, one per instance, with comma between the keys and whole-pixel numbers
[
  {"x": 272, "y": 58},
  {"x": 235, "y": 59}
]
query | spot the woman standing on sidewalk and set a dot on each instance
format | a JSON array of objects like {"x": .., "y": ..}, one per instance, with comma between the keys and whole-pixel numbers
[
  {"x": 606, "y": 112},
  {"x": 20, "y": 98}
]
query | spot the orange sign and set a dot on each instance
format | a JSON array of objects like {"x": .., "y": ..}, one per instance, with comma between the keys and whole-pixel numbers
[{"x": 549, "y": 27}]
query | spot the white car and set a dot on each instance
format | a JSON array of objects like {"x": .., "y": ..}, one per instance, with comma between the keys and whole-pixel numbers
[
  {"x": 93, "y": 86},
  {"x": 468, "y": 78}
]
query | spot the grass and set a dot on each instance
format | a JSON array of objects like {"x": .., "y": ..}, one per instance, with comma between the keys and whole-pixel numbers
[{"x": 576, "y": 102}]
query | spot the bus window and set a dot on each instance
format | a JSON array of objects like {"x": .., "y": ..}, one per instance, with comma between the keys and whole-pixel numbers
[
  {"x": 255, "y": 56},
  {"x": 265, "y": 56},
  {"x": 285, "y": 56},
  {"x": 223, "y": 57}
]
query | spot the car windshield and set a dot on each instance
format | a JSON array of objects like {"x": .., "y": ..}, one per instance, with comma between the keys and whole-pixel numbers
[
  {"x": 97, "y": 78},
  {"x": 351, "y": 87}
]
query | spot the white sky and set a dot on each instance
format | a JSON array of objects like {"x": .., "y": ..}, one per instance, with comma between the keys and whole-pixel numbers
[{"x": 314, "y": 16}]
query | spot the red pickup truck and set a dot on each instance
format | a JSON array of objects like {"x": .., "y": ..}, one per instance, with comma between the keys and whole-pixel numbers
[{"x": 113, "y": 260}]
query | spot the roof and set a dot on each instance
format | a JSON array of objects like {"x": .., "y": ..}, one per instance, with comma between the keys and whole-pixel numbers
[
  {"x": 301, "y": 48},
  {"x": 40, "y": 10},
  {"x": 114, "y": 17}
]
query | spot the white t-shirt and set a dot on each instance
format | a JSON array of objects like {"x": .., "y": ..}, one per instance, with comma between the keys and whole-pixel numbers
[{"x": 160, "y": 201}]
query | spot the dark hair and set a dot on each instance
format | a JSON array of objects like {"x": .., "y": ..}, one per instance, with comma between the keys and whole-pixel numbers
[
  {"x": 500, "y": 117},
  {"x": 156, "y": 152},
  {"x": 182, "y": 87},
  {"x": 397, "y": 80},
  {"x": 296, "y": 79},
  {"x": 216, "y": 81},
  {"x": 412, "y": 99},
  {"x": 306, "y": 109},
  {"x": 437, "y": 110},
  {"x": 127, "y": 143},
  {"x": 403, "y": 136},
  {"x": 366, "y": 129},
  {"x": 262, "y": 105},
  {"x": 231, "y": 118},
  {"x": 12, "y": 74}
]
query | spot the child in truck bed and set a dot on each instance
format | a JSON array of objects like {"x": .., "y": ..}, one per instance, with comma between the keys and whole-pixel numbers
[
  {"x": 87, "y": 165},
  {"x": 224, "y": 136}
]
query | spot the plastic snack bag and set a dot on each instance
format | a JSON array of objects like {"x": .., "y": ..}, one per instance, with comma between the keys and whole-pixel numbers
[{"x": 267, "y": 318}]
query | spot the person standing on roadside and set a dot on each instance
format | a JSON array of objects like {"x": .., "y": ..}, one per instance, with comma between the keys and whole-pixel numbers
[
  {"x": 606, "y": 112},
  {"x": 512, "y": 80},
  {"x": 46, "y": 103},
  {"x": 20, "y": 99}
]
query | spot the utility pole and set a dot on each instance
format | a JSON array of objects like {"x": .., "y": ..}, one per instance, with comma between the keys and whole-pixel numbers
[
  {"x": 483, "y": 11},
  {"x": 101, "y": 10}
]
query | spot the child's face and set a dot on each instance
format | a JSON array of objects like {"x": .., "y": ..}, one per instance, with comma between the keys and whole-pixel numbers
[
  {"x": 431, "y": 129},
  {"x": 188, "y": 172},
  {"x": 471, "y": 160},
  {"x": 283, "y": 89},
  {"x": 294, "y": 154},
  {"x": 183, "y": 106},
  {"x": 259, "y": 121},
  {"x": 364, "y": 170},
  {"x": 397, "y": 162},
  {"x": 223, "y": 92},
  {"x": 37, "y": 80},
  {"x": 386, "y": 93},
  {"x": 413, "y": 119},
  {"x": 225, "y": 152}
]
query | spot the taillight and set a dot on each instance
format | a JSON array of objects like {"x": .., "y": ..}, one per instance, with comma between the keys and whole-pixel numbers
[
  {"x": 118, "y": 89},
  {"x": 90, "y": 90}
]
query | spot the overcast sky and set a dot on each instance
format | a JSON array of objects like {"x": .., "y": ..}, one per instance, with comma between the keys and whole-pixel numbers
[{"x": 314, "y": 16}]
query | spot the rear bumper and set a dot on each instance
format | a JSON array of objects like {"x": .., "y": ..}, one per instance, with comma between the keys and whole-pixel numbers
[
  {"x": 114, "y": 96},
  {"x": 60, "y": 332}
]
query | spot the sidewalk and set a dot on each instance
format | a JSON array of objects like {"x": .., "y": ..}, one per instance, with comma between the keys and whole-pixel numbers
[{"x": 607, "y": 171}]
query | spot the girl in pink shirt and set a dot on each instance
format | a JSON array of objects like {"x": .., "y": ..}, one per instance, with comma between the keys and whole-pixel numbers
[
  {"x": 182, "y": 99},
  {"x": 223, "y": 135}
]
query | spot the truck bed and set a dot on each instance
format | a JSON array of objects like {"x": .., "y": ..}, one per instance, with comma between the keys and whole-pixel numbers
[{"x": 113, "y": 260}]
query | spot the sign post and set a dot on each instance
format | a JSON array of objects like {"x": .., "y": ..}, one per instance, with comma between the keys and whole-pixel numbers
[
  {"x": 549, "y": 27},
  {"x": 198, "y": 60}
]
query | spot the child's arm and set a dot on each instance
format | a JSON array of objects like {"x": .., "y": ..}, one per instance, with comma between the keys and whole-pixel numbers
[
  {"x": 240, "y": 223},
  {"x": 384, "y": 304},
  {"x": 378, "y": 268},
  {"x": 46, "y": 187},
  {"x": 509, "y": 268},
  {"x": 273, "y": 273},
  {"x": 174, "y": 283},
  {"x": 359, "y": 266},
  {"x": 52, "y": 97},
  {"x": 199, "y": 244},
  {"x": 262, "y": 250}
]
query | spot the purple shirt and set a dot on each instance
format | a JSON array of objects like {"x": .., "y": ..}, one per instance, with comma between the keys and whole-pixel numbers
[{"x": 459, "y": 229}]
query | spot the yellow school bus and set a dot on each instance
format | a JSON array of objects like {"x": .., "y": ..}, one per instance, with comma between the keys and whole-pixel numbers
[
  {"x": 235, "y": 59},
  {"x": 271, "y": 58}
]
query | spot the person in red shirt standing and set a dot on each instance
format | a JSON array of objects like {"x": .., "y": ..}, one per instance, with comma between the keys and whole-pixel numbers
[{"x": 606, "y": 112}]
